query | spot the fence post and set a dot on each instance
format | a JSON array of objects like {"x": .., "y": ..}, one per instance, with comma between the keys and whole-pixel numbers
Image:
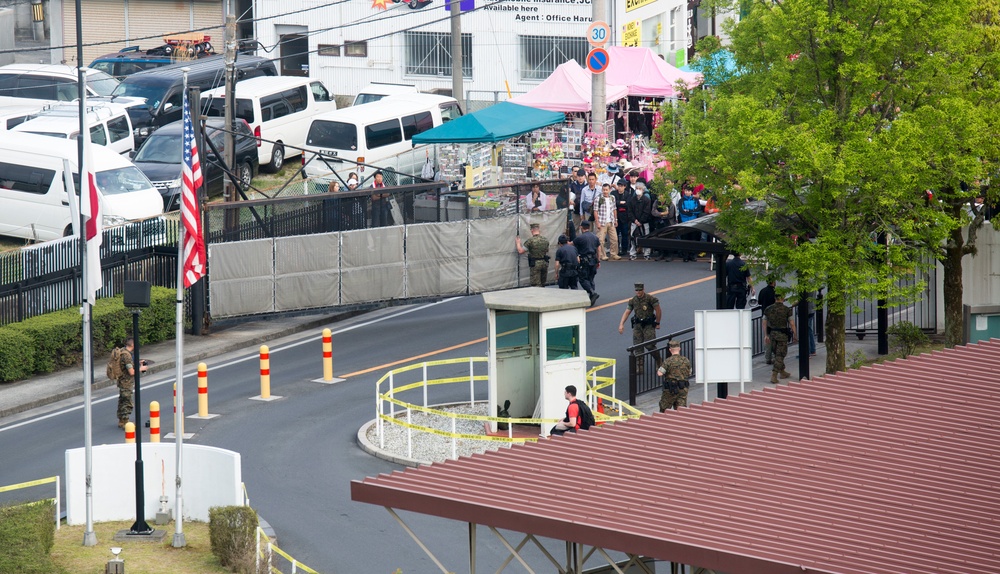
[
  {"x": 425, "y": 384},
  {"x": 631, "y": 379},
  {"x": 409, "y": 435},
  {"x": 454, "y": 444},
  {"x": 392, "y": 395},
  {"x": 472, "y": 383}
]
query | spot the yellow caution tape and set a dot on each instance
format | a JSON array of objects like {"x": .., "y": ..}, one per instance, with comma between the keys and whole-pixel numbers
[
  {"x": 449, "y": 434},
  {"x": 28, "y": 484}
]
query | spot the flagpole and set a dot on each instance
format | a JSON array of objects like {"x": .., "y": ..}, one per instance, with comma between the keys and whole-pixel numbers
[
  {"x": 179, "y": 541},
  {"x": 89, "y": 536}
]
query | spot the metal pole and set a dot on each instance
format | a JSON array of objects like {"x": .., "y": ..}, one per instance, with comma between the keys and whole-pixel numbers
[
  {"x": 179, "y": 540},
  {"x": 882, "y": 312},
  {"x": 456, "y": 53},
  {"x": 228, "y": 194},
  {"x": 803, "y": 331},
  {"x": 139, "y": 526},
  {"x": 598, "y": 99}
]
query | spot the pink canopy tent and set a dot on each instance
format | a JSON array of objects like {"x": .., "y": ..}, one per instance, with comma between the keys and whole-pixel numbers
[
  {"x": 645, "y": 73},
  {"x": 567, "y": 89}
]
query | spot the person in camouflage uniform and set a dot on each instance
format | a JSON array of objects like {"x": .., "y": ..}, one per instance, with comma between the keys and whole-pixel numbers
[
  {"x": 676, "y": 370},
  {"x": 779, "y": 329},
  {"x": 645, "y": 322},
  {"x": 537, "y": 248},
  {"x": 126, "y": 383}
]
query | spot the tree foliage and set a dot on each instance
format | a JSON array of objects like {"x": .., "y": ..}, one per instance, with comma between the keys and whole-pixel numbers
[{"x": 842, "y": 115}]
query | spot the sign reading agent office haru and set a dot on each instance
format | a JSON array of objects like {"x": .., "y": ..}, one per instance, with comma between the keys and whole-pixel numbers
[{"x": 545, "y": 11}]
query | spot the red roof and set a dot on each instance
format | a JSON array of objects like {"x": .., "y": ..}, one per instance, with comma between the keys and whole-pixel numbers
[{"x": 891, "y": 468}]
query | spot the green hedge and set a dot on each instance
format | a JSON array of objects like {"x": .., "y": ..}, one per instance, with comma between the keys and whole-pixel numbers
[
  {"x": 54, "y": 340},
  {"x": 232, "y": 532},
  {"x": 27, "y": 534}
]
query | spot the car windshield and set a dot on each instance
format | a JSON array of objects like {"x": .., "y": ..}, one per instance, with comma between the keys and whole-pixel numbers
[
  {"x": 367, "y": 98},
  {"x": 122, "y": 180},
  {"x": 333, "y": 135},
  {"x": 101, "y": 83},
  {"x": 152, "y": 94},
  {"x": 160, "y": 148}
]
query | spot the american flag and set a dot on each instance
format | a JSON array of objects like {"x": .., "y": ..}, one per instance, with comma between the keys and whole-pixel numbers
[{"x": 191, "y": 180}]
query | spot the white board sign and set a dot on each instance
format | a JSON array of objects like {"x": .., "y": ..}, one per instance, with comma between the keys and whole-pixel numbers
[{"x": 723, "y": 347}]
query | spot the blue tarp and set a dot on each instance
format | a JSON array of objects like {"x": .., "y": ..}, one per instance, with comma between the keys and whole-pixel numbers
[
  {"x": 495, "y": 123},
  {"x": 716, "y": 68}
]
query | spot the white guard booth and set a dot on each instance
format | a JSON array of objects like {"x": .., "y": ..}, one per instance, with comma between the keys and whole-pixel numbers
[
  {"x": 723, "y": 347},
  {"x": 537, "y": 346}
]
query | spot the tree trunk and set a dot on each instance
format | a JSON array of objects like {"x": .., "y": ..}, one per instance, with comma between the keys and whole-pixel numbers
[
  {"x": 835, "y": 325},
  {"x": 953, "y": 253}
]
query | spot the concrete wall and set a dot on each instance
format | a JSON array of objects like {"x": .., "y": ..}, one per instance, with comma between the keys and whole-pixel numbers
[
  {"x": 212, "y": 477},
  {"x": 980, "y": 274},
  {"x": 7, "y": 20}
]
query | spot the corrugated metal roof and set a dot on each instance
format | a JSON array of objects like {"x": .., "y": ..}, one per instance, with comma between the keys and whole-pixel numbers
[{"x": 891, "y": 468}]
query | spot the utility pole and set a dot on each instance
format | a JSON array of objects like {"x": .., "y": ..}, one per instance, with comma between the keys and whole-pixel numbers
[
  {"x": 228, "y": 193},
  {"x": 598, "y": 98},
  {"x": 456, "y": 53}
]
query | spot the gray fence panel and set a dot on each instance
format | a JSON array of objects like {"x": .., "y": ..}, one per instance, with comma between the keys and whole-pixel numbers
[
  {"x": 492, "y": 257},
  {"x": 306, "y": 271},
  {"x": 375, "y": 260},
  {"x": 437, "y": 259},
  {"x": 242, "y": 277}
]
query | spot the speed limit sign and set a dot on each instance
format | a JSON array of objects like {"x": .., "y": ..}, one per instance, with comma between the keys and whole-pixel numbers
[{"x": 598, "y": 34}]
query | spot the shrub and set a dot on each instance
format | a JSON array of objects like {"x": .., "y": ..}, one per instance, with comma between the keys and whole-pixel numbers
[
  {"x": 232, "y": 532},
  {"x": 27, "y": 533},
  {"x": 17, "y": 355},
  {"x": 905, "y": 337}
]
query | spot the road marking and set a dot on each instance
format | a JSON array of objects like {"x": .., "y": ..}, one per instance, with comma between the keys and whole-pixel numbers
[
  {"x": 483, "y": 339},
  {"x": 253, "y": 357}
]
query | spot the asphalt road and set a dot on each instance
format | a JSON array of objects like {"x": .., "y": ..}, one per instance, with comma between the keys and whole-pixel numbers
[{"x": 299, "y": 454}]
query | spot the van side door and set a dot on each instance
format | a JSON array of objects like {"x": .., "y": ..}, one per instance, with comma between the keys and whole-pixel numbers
[
  {"x": 120, "y": 136},
  {"x": 32, "y": 208}
]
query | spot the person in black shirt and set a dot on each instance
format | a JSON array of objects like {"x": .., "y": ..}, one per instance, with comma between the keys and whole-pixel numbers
[
  {"x": 765, "y": 299},
  {"x": 589, "y": 247},
  {"x": 738, "y": 280},
  {"x": 567, "y": 264}
]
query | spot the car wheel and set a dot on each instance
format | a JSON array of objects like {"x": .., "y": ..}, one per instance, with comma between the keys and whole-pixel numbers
[
  {"x": 246, "y": 175},
  {"x": 413, "y": 4},
  {"x": 277, "y": 158}
]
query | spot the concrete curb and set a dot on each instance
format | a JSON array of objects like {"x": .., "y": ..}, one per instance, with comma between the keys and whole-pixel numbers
[{"x": 367, "y": 446}]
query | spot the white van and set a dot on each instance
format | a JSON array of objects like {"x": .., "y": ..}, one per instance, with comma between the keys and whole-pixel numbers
[
  {"x": 109, "y": 124},
  {"x": 33, "y": 191},
  {"x": 375, "y": 91},
  {"x": 12, "y": 116},
  {"x": 52, "y": 82},
  {"x": 278, "y": 109},
  {"x": 374, "y": 132}
]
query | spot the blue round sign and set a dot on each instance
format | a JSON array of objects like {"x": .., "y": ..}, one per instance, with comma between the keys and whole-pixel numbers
[{"x": 597, "y": 60}]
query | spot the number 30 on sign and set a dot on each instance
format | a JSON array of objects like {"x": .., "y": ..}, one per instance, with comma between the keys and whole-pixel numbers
[{"x": 598, "y": 34}]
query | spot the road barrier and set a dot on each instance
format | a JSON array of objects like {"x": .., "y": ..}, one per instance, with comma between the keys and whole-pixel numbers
[
  {"x": 129, "y": 432},
  {"x": 595, "y": 382},
  {"x": 154, "y": 421},
  {"x": 39, "y": 482},
  {"x": 265, "y": 372},
  {"x": 202, "y": 390},
  {"x": 327, "y": 355}
]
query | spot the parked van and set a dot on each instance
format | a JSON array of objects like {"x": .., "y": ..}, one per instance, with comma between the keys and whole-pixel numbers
[
  {"x": 51, "y": 82},
  {"x": 33, "y": 190},
  {"x": 109, "y": 124},
  {"x": 375, "y": 91},
  {"x": 374, "y": 132},
  {"x": 278, "y": 109},
  {"x": 162, "y": 88},
  {"x": 12, "y": 116}
]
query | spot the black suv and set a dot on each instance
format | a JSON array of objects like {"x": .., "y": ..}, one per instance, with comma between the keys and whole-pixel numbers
[{"x": 160, "y": 159}]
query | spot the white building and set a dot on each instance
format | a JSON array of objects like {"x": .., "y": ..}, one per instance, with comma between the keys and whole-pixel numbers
[{"x": 507, "y": 44}]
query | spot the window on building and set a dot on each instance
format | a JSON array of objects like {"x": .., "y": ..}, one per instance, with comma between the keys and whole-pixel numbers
[
  {"x": 356, "y": 49},
  {"x": 429, "y": 54},
  {"x": 540, "y": 55},
  {"x": 675, "y": 29},
  {"x": 328, "y": 49}
]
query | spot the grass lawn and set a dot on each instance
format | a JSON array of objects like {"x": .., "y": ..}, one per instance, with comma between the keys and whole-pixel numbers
[{"x": 140, "y": 557}]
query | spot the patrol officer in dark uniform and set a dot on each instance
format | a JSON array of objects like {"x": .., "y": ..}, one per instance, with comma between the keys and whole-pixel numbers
[
  {"x": 567, "y": 264},
  {"x": 779, "y": 329},
  {"x": 537, "y": 248},
  {"x": 645, "y": 322},
  {"x": 589, "y": 247}
]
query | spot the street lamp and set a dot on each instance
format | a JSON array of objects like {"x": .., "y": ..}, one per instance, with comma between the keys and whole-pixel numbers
[{"x": 136, "y": 298}]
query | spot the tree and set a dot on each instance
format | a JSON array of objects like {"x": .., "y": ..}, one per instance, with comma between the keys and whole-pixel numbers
[{"x": 826, "y": 128}]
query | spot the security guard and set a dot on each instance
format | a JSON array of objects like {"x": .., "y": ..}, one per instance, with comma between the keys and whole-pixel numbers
[
  {"x": 645, "y": 322},
  {"x": 537, "y": 248},
  {"x": 779, "y": 329},
  {"x": 676, "y": 370}
]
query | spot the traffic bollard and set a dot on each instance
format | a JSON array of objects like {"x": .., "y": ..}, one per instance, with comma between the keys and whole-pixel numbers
[
  {"x": 265, "y": 373},
  {"x": 130, "y": 432},
  {"x": 154, "y": 421},
  {"x": 327, "y": 355},
  {"x": 202, "y": 390}
]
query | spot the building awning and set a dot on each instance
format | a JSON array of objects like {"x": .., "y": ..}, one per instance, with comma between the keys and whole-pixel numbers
[
  {"x": 496, "y": 123},
  {"x": 891, "y": 468}
]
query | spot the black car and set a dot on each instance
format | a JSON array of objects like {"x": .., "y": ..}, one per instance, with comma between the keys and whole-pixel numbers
[{"x": 160, "y": 159}]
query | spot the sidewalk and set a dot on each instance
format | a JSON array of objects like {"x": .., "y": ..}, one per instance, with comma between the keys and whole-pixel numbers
[{"x": 41, "y": 390}]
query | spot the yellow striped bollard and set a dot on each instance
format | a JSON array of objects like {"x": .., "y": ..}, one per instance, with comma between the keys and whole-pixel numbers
[
  {"x": 202, "y": 390},
  {"x": 130, "y": 432},
  {"x": 327, "y": 355},
  {"x": 265, "y": 372},
  {"x": 154, "y": 421}
]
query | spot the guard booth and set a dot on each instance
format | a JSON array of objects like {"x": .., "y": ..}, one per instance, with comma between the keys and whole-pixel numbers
[{"x": 537, "y": 346}]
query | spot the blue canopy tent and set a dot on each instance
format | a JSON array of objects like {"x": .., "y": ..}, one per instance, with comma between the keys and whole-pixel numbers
[
  {"x": 715, "y": 68},
  {"x": 490, "y": 125}
]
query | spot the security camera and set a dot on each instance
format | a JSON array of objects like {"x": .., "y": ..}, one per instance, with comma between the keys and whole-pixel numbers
[{"x": 116, "y": 551}]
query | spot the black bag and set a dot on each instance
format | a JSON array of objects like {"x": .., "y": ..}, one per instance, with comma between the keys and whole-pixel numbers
[{"x": 586, "y": 416}]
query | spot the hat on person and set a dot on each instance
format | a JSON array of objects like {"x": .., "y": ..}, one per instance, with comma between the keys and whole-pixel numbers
[
  {"x": 674, "y": 344},
  {"x": 612, "y": 167},
  {"x": 619, "y": 142},
  {"x": 640, "y": 287},
  {"x": 563, "y": 240},
  {"x": 352, "y": 180},
  {"x": 535, "y": 226},
  {"x": 584, "y": 224}
]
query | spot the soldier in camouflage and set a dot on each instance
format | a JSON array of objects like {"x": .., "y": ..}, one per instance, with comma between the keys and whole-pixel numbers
[
  {"x": 779, "y": 329},
  {"x": 676, "y": 370},
  {"x": 126, "y": 383},
  {"x": 645, "y": 322},
  {"x": 537, "y": 248}
]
